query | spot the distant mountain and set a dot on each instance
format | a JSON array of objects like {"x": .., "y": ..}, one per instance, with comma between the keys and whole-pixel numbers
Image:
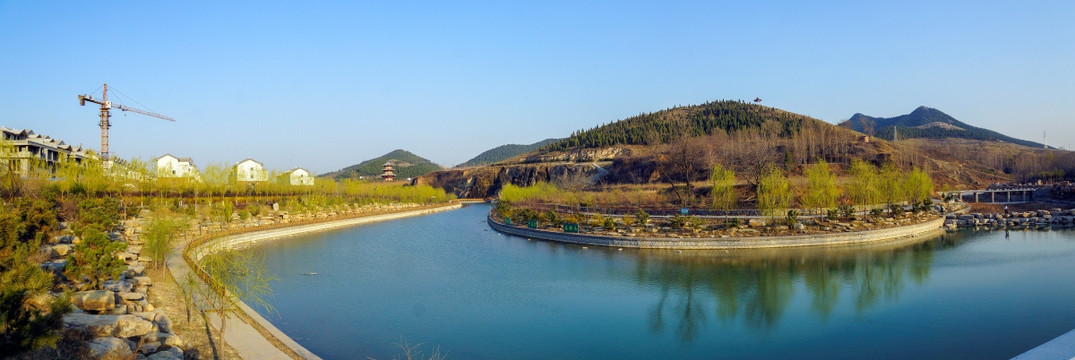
[
  {"x": 406, "y": 164},
  {"x": 926, "y": 122},
  {"x": 504, "y": 152}
]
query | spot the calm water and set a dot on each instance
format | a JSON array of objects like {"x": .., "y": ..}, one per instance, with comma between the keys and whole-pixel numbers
[{"x": 447, "y": 280}]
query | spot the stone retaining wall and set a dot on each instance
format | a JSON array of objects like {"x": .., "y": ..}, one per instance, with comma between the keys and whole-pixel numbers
[{"x": 753, "y": 242}]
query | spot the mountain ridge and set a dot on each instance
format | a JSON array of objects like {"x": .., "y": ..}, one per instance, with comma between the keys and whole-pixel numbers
[{"x": 926, "y": 122}]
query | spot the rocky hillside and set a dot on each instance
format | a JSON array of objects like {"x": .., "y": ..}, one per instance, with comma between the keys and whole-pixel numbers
[
  {"x": 407, "y": 165},
  {"x": 926, "y": 122},
  {"x": 504, "y": 152}
]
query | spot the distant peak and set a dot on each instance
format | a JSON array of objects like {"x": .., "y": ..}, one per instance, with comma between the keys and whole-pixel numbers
[{"x": 923, "y": 108}]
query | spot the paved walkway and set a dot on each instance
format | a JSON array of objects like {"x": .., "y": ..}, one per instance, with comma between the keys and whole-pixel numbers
[{"x": 242, "y": 337}]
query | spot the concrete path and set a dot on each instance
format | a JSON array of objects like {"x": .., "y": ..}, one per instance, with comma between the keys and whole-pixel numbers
[{"x": 1063, "y": 347}]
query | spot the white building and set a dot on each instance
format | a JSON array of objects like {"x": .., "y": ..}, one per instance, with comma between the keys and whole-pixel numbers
[
  {"x": 24, "y": 146},
  {"x": 170, "y": 166},
  {"x": 250, "y": 170},
  {"x": 299, "y": 176}
]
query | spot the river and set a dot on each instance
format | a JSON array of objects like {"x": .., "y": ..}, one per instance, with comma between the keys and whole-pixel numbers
[{"x": 448, "y": 281}]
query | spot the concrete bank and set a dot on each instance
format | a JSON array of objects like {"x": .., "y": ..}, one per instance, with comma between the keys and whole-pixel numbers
[
  {"x": 1063, "y": 347},
  {"x": 751, "y": 242},
  {"x": 247, "y": 340}
]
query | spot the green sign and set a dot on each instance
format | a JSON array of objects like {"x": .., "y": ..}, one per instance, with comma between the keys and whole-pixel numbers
[
  {"x": 507, "y": 221},
  {"x": 531, "y": 224},
  {"x": 571, "y": 227}
]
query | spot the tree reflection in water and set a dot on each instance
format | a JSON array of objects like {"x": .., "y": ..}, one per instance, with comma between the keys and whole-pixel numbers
[{"x": 756, "y": 286}]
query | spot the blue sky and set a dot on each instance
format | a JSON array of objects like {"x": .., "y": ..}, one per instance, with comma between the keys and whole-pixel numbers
[{"x": 324, "y": 85}]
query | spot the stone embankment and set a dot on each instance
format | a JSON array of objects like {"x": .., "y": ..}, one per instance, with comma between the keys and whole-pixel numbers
[
  {"x": 1040, "y": 219},
  {"x": 122, "y": 321},
  {"x": 726, "y": 242}
]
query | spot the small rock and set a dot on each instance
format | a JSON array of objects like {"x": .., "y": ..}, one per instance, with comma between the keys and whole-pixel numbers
[
  {"x": 134, "y": 249},
  {"x": 149, "y": 347},
  {"x": 755, "y": 223},
  {"x": 60, "y": 250},
  {"x": 131, "y": 296},
  {"x": 109, "y": 347},
  {"x": 141, "y": 281}
]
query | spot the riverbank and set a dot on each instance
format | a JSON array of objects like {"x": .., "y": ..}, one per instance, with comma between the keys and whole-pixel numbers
[
  {"x": 255, "y": 337},
  {"x": 727, "y": 242}
]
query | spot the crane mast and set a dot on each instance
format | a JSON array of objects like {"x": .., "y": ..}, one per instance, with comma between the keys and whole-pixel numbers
[{"x": 106, "y": 114}]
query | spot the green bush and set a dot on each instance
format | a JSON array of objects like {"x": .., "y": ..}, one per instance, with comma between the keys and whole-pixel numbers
[
  {"x": 102, "y": 214},
  {"x": 642, "y": 216},
  {"x": 793, "y": 217},
  {"x": 609, "y": 223},
  {"x": 833, "y": 214},
  {"x": 93, "y": 260},
  {"x": 733, "y": 222},
  {"x": 847, "y": 211}
]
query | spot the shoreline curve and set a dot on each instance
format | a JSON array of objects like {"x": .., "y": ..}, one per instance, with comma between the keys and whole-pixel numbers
[
  {"x": 200, "y": 250},
  {"x": 728, "y": 243}
]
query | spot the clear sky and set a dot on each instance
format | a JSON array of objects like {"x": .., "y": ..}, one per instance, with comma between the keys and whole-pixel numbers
[{"x": 323, "y": 85}]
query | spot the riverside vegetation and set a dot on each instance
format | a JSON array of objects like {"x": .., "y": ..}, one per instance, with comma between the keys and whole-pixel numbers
[
  {"x": 865, "y": 198},
  {"x": 77, "y": 241}
]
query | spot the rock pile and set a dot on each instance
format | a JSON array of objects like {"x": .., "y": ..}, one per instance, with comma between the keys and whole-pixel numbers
[
  {"x": 120, "y": 317},
  {"x": 1040, "y": 219}
]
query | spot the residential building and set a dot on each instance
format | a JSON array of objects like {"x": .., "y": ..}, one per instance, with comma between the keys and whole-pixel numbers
[
  {"x": 23, "y": 148},
  {"x": 170, "y": 166},
  {"x": 250, "y": 170},
  {"x": 299, "y": 177}
]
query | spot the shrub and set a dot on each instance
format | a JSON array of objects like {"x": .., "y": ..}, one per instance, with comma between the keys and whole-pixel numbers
[
  {"x": 876, "y": 212},
  {"x": 609, "y": 223},
  {"x": 102, "y": 214},
  {"x": 93, "y": 260},
  {"x": 895, "y": 210},
  {"x": 793, "y": 216},
  {"x": 642, "y": 216},
  {"x": 552, "y": 218},
  {"x": 847, "y": 211},
  {"x": 733, "y": 222},
  {"x": 833, "y": 214}
]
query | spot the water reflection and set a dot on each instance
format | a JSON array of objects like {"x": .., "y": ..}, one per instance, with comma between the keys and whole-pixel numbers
[{"x": 757, "y": 286}]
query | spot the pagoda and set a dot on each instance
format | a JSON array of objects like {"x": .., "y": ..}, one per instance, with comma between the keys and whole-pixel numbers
[{"x": 388, "y": 173}]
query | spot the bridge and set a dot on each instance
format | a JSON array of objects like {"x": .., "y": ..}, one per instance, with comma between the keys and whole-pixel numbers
[{"x": 995, "y": 196}]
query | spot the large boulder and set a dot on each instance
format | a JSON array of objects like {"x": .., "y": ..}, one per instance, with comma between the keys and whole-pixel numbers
[
  {"x": 110, "y": 348},
  {"x": 94, "y": 300},
  {"x": 118, "y": 286},
  {"x": 123, "y": 326}
]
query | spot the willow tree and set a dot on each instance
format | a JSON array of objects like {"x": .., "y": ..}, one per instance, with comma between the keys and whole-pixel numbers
[
  {"x": 918, "y": 185},
  {"x": 723, "y": 191},
  {"x": 890, "y": 184},
  {"x": 863, "y": 187},
  {"x": 821, "y": 190},
  {"x": 238, "y": 277},
  {"x": 773, "y": 192}
]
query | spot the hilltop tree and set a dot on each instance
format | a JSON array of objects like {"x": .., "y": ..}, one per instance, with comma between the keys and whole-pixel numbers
[
  {"x": 773, "y": 192},
  {"x": 821, "y": 190},
  {"x": 723, "y": 191}
]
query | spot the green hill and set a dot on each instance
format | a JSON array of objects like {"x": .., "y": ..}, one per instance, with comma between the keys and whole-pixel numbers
[
  {"x": 926, "y": 122},
  {"x": 407, "y": 165},
  {"x": 504, "y": 152},
  {"x": 667, "y": 125}
]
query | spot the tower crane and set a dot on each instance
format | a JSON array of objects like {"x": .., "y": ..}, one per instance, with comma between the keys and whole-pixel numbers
[{"x": 106, "y": 113}]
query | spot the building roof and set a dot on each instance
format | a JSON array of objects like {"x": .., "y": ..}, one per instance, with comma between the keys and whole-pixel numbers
[
  {"x": 249, "y": 159},
  {"x": 296, "y": 169}
]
